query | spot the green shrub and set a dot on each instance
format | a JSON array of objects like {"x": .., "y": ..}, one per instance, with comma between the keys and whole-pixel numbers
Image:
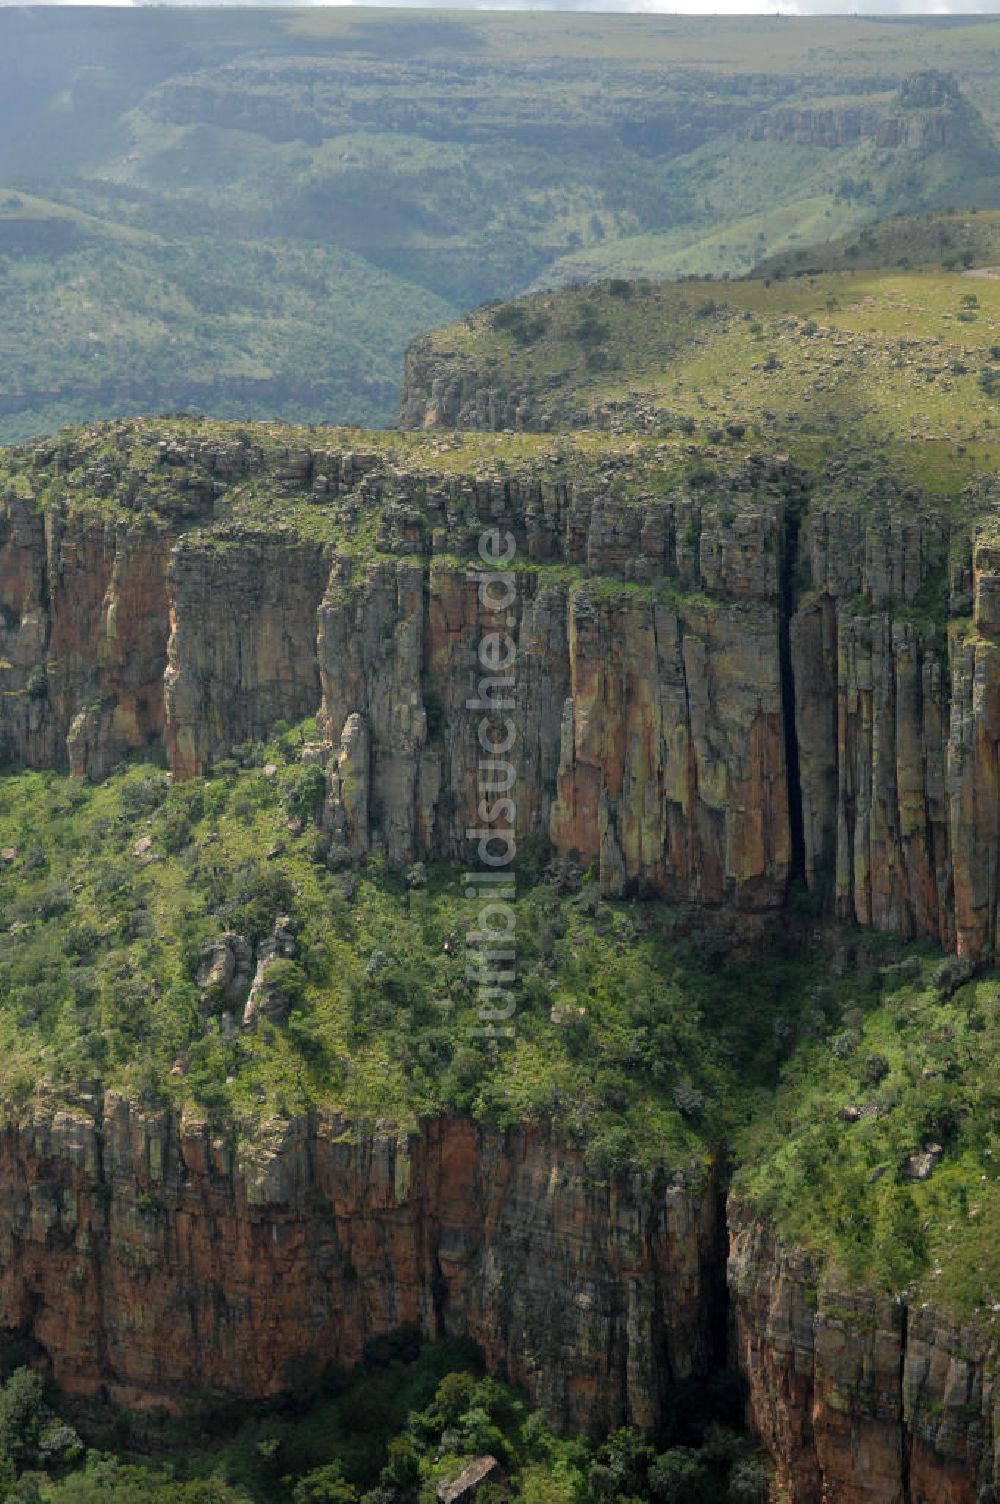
[
  {"x": 325, "y": 1485},
  {"x": 678, "y": 1477}
]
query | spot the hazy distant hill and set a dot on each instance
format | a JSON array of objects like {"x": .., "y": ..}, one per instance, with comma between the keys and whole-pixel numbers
[{"x": 252, "y": 212}]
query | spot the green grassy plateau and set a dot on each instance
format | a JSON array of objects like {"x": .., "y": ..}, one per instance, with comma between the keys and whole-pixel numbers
[{"x": 899, "y": 363}]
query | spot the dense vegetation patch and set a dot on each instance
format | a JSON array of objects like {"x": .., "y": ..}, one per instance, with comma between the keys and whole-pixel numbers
[
  {"x": 411, "y": 1417},
  {"x": 641, "y": 1036},
  {"x": 881, "y": 1153},
  {"x": 111, "y": 896}
]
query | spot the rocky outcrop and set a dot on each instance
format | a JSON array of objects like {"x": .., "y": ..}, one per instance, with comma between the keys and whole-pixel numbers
[
  {"x": 153, "y": 1259},
  {"x": 150, "y": 1258},
  {"x": 859, "y": 1400},
  {"x": 897, "y": 722},
  {"x": 648, "y": 726},
  {"x": 872, "y": 695},
  {"x": 805, "y": 125},
  {"x": 242, "y": 648},
  {"x": 931, "y": 114},
  {"x": 440, "y": 391},
  {"x": 270, "y": 997}
]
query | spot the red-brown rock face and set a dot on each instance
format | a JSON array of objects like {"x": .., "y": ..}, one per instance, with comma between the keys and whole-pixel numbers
[
  {"x": 668, "y": 653},
  {"x": 649, "y": 733},
  {"x": 652, "y": 700},
  {"x": 872, "y": 720},
  {"x": 83, "y": 621},
  {"x": 859, "y": 1401},
  {"x": 242, "y": 648},
  {"x": 648, "y": 700},
  {"x": 150, "y": 1259}
]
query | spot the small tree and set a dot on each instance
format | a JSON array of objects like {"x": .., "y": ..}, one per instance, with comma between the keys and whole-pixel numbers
[
  {"x": 22, "y": 1415},
  {"x": 325, "y": 1485},
  {"x": 677, "y": 1477}
]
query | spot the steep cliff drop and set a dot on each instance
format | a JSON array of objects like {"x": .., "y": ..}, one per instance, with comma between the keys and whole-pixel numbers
[
  {"x": 858, "y": 1399},
  {"x": 153, "y": 1260},
  {"x": 726, "y": 688}
]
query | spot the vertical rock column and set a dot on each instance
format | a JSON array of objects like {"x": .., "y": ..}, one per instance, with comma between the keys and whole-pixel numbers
[
  {"x": 871, "y": 706},
  {"x": 859, "y": 1399},
  {"x": 973, "y": 749}
]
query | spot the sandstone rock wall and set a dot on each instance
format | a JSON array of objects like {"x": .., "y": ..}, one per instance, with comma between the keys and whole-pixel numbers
[
  {"x": 667, "y": 654},
  {"x": 83, "y": 624},
  {"x": 153, "y": 1260},
  {"x": 647, "y": 693},
  {"x": 929, "y": 113},
  {"x": 242, "y": 648},
  {"x": 649, "y": 726},
  {"x": 649, "y": 734},
  {"x": 872, "y": 707},
  {"x": 858, "y": 1400},
  {"x": 803, "y": 125},
  {"x": 438, "y": 392}
]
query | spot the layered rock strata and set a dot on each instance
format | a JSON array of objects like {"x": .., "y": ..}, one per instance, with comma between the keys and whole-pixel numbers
[
  {"x": 717, "y": 689},
  {"x": 648, "y": 701}
]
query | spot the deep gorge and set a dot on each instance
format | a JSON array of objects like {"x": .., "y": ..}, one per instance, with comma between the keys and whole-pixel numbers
[{"x": 726, "y": 689}]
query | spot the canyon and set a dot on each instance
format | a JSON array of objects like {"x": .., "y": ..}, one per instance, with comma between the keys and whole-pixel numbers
[{"x": 724, "y": 688}]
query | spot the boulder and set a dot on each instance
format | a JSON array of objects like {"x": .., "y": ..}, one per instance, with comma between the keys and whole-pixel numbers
[
  {"x": 225, "y": 969},
  {"x": 920, "y": 1165},
  {"x": 465, "y": 1486}
]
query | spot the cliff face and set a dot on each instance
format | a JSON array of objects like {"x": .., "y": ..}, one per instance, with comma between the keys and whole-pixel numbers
[
  {"x": 649, "y": 721},
  {"x": 668, "y": 655},
  {"x": 241, "y": 653},
  {"x": 933, "y": 114},
  {"x": 83, "y": 622},
  {"x": 897, "y": 724},
  {"x": 859, "y": 1400},
  {"x": 872, "y": 697},
  {"x": 649, "y": 731},
  {"x": 929, "y": 113},
  {"x": 805, "y": 125},
  {"x": 153, "y": 1260}
]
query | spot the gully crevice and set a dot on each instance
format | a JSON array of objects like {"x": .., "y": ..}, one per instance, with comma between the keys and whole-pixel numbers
[{"x": 786, "y": 610}]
